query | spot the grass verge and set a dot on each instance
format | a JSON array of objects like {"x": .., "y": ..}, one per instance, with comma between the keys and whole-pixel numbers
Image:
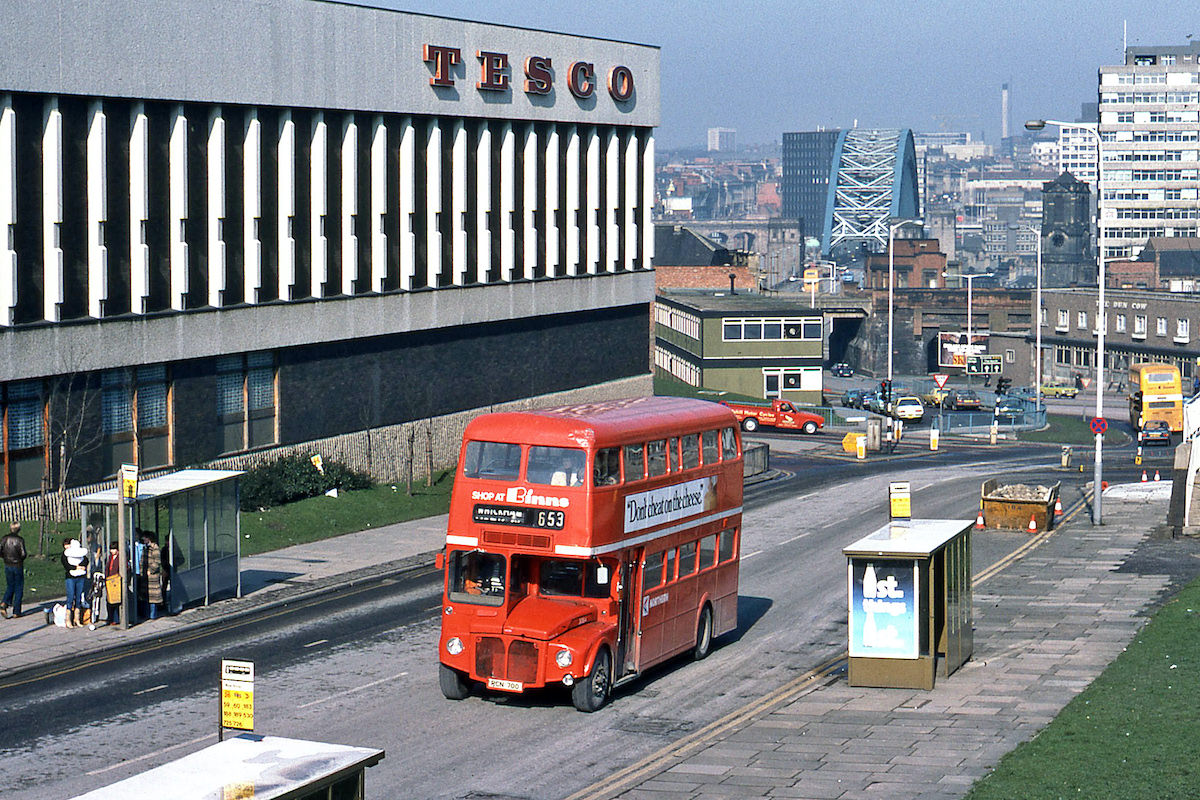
[
  {"x": 1064, "y": 429},
  {"x": 1131, "y": 734},
  {"x": 263, "y": 531}
]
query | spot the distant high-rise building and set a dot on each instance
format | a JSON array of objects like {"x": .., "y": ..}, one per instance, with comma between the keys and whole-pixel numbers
[
  {"x": 1004, "y": 112},
  {"x": 807, "y": 162},
  {"x": 721, "y": 140},
  {"x": 1151, "y": 131}
]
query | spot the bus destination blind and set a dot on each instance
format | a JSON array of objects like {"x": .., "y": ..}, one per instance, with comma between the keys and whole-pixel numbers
[{"x": 515, "y": 515}]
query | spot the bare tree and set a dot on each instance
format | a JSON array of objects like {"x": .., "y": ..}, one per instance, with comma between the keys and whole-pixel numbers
[{"x": 73, "y": 401}]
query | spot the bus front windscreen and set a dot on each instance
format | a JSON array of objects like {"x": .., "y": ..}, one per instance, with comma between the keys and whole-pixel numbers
[
  {"x": 560, "y": 577},
  {"x": 477, "y": 577}
]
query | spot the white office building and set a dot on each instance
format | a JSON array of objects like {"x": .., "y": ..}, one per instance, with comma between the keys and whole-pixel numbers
[{"x": 1150, "y": 126}]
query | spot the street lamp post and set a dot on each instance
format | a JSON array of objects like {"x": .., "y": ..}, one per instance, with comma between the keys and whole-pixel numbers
[
  {"x": 1101, "y": 315},
  {"x": 970, "y": 279}
]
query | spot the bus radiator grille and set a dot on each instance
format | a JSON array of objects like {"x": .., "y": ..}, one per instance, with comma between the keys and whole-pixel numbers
[
  {"x": 512, "y": 538},
  {"x": 523, "y": 662},
  {"x": 489, "y": 657}
]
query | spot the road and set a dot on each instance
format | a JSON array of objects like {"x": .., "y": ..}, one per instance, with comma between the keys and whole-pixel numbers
[{"x": 359, "y": 667}]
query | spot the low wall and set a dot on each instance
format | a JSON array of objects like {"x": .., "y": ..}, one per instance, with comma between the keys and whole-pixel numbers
[{"x": 756, "y": 459}]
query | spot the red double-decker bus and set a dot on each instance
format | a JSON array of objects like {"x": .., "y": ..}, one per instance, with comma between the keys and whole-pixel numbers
[{"x": 587, "y": 543}]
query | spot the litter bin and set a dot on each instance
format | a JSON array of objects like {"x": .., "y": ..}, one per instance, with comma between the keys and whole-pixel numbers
[{"x": 910, "y": 603}]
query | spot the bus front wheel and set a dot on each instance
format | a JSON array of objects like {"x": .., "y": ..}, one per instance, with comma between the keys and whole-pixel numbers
[
  {"x": 703, "y": 635},
  {"x": 591, "y": 693},
  {"x": 454, "y": 685}
]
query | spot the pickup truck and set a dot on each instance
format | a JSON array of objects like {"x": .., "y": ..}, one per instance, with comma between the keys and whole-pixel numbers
[{"x": 777, "y": 414}]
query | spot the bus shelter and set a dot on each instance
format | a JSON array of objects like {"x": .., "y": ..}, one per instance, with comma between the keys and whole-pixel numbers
[
  {"x": 261, "y": 767},
  {"x": 192, "y": 515},
  {"x": 909, "y": 587}
]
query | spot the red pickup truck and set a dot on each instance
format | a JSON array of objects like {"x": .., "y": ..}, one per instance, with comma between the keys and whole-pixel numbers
[{"x": 779, "y": 414}]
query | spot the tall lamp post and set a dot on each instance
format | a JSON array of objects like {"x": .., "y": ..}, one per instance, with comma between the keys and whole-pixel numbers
[
  {"x": 1037, "y": 321},
  {"x": 970, "y": 279},
  {"x": 1101, "y": 315}
]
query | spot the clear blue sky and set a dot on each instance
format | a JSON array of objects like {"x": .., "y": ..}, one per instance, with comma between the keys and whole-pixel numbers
[{"x": 763, "y": 68}]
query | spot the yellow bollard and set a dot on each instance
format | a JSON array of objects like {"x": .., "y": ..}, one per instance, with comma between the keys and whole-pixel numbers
[{"x": 933, "y": 438}]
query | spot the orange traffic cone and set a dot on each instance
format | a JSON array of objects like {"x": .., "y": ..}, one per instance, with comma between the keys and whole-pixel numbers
[
  {"x": 1156, "y": 476},
  {"x": 1032, "y": 523},
  {"x": 1058, "y": 507},
  {"x": 1144, "y": 478},
  {"x": 979, "y": 521}
]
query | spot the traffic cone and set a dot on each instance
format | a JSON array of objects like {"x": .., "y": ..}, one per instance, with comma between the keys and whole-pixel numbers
[
  {"x": 1032, "y": 523},
  {"x": 1144, "y": 478},
  {"x": 1058, "y": 507},
  {"x": 979, "y": 521},
  {"x": 1156, "y": 476}
]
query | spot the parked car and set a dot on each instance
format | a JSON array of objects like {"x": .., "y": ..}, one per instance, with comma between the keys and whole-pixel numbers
[
  {"x": 908, "y": 408},
  {"x": 1059, "y": 390},
  {"x": 962, "y": 400},
  {"x": 841, "y": 370},
  {"x": 873, "y": 401},
  {"x": 852, "y": 398},
  {"x": 1156, "y": 431}
]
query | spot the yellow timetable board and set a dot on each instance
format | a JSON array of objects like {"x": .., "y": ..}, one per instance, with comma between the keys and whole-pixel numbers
[{"x": 237, "y": 694}]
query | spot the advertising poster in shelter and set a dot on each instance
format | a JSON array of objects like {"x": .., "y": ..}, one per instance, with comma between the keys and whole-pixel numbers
[{"x": 884, "y": 608}]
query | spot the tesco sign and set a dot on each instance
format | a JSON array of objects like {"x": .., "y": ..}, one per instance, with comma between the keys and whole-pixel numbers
[{"x": 495, "y": 73}]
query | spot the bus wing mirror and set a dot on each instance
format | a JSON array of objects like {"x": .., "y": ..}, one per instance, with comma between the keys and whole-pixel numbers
[
  {"x": 439, "y": 560},
  {"x": 602, "y": 575}
]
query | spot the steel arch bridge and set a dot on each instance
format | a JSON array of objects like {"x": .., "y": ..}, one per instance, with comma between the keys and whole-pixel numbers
[{"x": 873, "y": 179}]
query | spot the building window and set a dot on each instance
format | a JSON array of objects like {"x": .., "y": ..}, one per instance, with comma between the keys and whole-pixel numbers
[
  {"x": 1081, "y": 321},
  {"x": 1161, "y": 329},
  {"x": 135, "y": 418},
  {"x": 24, "y": 437},
  {"x": 246, "y": 401},
  {"x": 1181, "y": 329},
  {"x": 1010, "y": 356},
  {"x": 1120, "y": 323},
  {"x": 1064, "y": 320},
  {"x": 1139, "y": 325},
  {"x": 771, "y": 329}
]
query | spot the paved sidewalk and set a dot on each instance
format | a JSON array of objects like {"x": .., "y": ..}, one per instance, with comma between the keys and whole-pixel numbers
[
  {"x": 268, "y": 580},
  {"x": 1045, "y": 627}
]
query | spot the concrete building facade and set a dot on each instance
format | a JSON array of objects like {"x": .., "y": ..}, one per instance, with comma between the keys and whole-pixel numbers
[{"x": 282, "y": 221}]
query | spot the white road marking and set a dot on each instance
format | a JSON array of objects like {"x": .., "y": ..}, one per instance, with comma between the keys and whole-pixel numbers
[
  {"x": 151, "y": 689},
  {"x": 797, "y": 536},
  {"x": 156, "y": 753},
  {"x": 751, "y": 555},
  {"x": 317, "y": 642},
  {"x": 355, "y": 689}
]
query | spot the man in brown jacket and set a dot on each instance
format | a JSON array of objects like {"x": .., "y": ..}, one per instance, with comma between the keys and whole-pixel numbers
[{"x": 12, "y": 549}]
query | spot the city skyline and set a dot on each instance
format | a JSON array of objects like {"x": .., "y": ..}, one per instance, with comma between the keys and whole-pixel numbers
[{"x": 944, "y": 73}]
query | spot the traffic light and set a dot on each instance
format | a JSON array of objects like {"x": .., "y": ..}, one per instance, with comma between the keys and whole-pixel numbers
[
  {"x": 1002, "y": 385},
  {"x": 885, "y": 388}
]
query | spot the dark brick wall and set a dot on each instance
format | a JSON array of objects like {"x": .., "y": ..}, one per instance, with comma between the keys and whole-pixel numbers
[
  {"x": 197, "y": 435},
  {"x": 331, "y": 389}
]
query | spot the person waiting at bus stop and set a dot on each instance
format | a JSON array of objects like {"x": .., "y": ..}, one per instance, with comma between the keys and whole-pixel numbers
[
  {"x": 152, "y": 574},
  {"x": 112, "y": 584},
  {"x": 75, "y": 562}
]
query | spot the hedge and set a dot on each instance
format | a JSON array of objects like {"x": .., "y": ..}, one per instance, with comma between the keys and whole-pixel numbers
[{"x": 294, "y": 477}]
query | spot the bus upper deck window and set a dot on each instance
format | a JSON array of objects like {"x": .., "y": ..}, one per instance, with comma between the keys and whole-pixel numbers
[
  {"x": 492, "y": 460},
  {"x": 689, "y": 451},
  {"x": 635, "y": 462},
  {"x": 728, "y": 443},
  {"x": 607, "y": 470},
  {"x": 656, "y": 457},
  {"x": 712, "y": 452},
  {"x": 556, "y": 466}
]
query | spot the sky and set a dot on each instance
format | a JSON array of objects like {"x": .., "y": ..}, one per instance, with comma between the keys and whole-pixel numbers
[{"x": 763, "y": 68}]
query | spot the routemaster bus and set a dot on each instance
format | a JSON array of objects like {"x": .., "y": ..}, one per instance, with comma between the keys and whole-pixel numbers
[
  {"x": 1155, "y": 392},
  {"x": 588, "y": 543}
]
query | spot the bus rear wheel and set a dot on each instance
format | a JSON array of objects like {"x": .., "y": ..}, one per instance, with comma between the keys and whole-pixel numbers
[
  {"x": 703, "y": 635},
  {"x": 749, "y": 424},
  {"x": 454, "y": 686},
  {"x": 591, "y": 693}
]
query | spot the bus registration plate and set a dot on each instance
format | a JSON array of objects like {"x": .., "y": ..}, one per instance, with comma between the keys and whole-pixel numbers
[{"x": 500, "y": 683}]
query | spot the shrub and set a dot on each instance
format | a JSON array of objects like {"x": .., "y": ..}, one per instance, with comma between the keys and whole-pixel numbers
[{"x": 291, "y": 478}]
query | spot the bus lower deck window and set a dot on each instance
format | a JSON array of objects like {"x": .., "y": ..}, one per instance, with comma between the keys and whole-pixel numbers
[
  {"x": 708, "y": 551},
  {"x": 653, "y": 573},
  {"x": 725, "y": 550},
  {"x": 687, "y": 559},
  {"x": 477, "y": 577}
]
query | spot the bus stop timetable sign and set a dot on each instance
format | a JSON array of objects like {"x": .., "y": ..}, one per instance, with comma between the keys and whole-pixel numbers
[{"x": 237, "y": 694}]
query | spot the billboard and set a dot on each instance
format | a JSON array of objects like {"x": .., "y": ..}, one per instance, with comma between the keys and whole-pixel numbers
[
  {"x": 953, "y": 348},
  {"x": 884, "y": 608}
]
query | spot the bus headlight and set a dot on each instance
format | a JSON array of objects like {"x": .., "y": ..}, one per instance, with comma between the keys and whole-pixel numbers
[
  {"x": 563, "y": 659},
  {"x": 454, "y": 645}
]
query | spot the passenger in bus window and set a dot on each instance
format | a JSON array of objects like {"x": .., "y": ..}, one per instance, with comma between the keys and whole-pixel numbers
[
  {"x": 689, "y": 451},
  {"x": 635, "y": 462},
  {"x": 656, "y": 457},
  {"x": 728, "y": 443},
  {"x": 607, "y": 470},
  {"x": 712, "y": 453}
]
